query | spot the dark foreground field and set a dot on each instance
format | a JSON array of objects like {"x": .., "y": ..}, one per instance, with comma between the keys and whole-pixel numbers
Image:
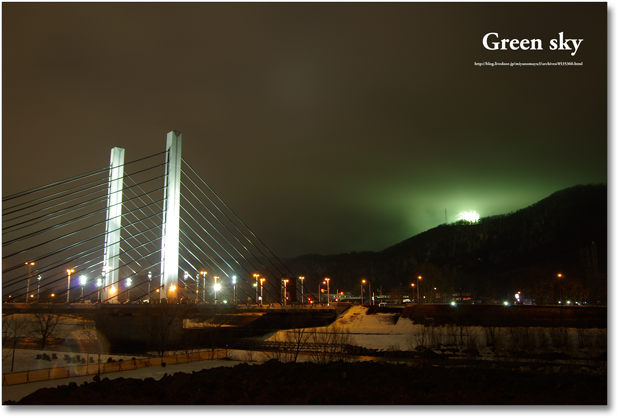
[{"x": 343, "y": 383}]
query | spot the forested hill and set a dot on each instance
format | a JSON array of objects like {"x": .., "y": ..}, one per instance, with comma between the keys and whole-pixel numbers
[{"x": 565, "y": 232}]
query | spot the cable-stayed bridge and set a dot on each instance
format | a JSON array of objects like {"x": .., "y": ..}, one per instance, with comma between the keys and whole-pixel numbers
[{"x": 149, "y": 230}]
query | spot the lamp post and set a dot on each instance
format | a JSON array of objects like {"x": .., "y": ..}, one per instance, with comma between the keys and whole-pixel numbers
[
  {"x": 370, "y": 301},
  {"x": 419, "y": 278},
  {"x": 82, "y": 283},
  {"x": 99, "y": 283},
  {"x": 256, "y": 276},
  {"x": 204, "y": 285},
  {"x": 362, "y": 292},
  {"x": 301, "y": 278},
  {"x": 327, "y": 281},
  {"x": 285, "y": 282},
  {"x": 69, "y": 271},
  {"x": 185, "y": 282},
  {"x": 28, "y": 280},
  {"x": 234, "y": 281},
  {"x": 38, "y": 286},
  {"x": 128, "y": 284},
  {"x": 560, "y": 280},
  {"x": 148, "y": 294},
  {"x": 216, "y": 287},
  {"x": 261, "y": 291}
]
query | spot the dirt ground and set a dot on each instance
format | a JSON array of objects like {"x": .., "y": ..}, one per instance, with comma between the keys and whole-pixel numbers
[{"x": 344, "y": 383}]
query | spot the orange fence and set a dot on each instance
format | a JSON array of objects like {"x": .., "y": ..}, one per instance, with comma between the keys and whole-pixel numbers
[{"x": 114, "y": 366}]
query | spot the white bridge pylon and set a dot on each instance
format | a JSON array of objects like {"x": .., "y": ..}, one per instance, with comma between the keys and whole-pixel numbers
[
  {"x": 170, "y": 227},
  {"x": 113, "y": 225},
  {"x": 172, "y": 213}
]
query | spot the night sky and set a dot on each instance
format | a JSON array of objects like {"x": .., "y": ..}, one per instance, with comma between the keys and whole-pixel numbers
[{"x": 327, "y": 128}]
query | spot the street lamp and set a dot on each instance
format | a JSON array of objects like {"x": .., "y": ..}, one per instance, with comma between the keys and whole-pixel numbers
[
  {"x": 28, "y": 280},
  {"x": 148, "y": 296},
  {"x": 327, "y": 281},
  {"x": 560, "y": 277},
  {"x": 234, "y": 281},
  {"x": 560, "y": 280},
  {"x": 261, "y": 291},
  {"x": 38, "y": 286},
  {"x": 99, "y": 283},
  {"x": 216, "y": 287},
  {"x": 185, "y": 281},
  {"x": 82, "y": 282},
  {"x": 69, "y": 271},
  {"x": 419, "y": 278},
  {"x": 128, "y": 285},
  {"x": 256, "y": 276},
  {"x": 362, "y": 292},
  {"x": 285, "y": 281},
  {"x": 302, "y": 289},
  {"x": 204, "y": 285}
]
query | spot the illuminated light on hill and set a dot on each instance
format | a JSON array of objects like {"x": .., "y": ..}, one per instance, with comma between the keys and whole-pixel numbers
[{"x": 471, "y": 216}]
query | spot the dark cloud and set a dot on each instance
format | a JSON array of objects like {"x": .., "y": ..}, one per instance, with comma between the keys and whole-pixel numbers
[{"x": 326, "y": 127}]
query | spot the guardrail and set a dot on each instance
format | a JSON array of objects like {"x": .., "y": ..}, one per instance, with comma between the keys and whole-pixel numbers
[{"x": 64, "y": 372}]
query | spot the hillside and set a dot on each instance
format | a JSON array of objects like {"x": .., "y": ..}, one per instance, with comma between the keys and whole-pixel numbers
[{"x": 495, "y": 258}]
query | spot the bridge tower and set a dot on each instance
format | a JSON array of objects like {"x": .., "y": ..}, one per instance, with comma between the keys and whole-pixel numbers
[
  {"x": 171, "y": 215},
  {"x": 113, "y": 225}
]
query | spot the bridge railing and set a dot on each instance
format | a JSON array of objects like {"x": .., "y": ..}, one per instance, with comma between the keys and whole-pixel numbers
[{"x": 64, "y": 372}]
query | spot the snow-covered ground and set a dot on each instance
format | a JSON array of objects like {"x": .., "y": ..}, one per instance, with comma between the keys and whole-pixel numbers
[
  {"x": 378, "y": 331},
  {"x": 390, "y": 332}
]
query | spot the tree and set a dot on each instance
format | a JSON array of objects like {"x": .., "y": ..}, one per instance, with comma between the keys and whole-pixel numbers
[
  {"x": 13, "y": 327},
  {"x": 166, "y": 325},
  {"x": 212, "y": 325},
  {"x": 44, "y": 326}
]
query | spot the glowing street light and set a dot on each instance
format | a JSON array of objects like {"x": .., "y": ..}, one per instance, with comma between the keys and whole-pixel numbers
[
  {"x": 204, "y": 285},
  {"x": 28, "y": 281},
  {"x": 256, "y": 276},
  {"x": 362, "y": 292},
  {"x": 82, "y": 283},
  {"x": 216, "y": 287},
  {"x": 261, "y": 290},
  {"x": 148, "y": 292},
  {"x": 38, "y": 286},
  {"x": 327, "y": 281},
  {"x": 234, "y": 282},
  {"x": 69, "y": 271},
  {"x": 419, "y": 278},
  {"x": 99, "y": 284},
  {"x": 560, "y": 280},
  {"x": 301, "y": 278},
  {"x": 285, "y": 282},
  {"x": 128, "y": 285}
]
